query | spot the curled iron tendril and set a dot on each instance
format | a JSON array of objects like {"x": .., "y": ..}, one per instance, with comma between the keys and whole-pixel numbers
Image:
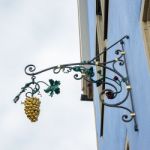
[
  {"x": 33, "y": 88},
  {"x": 29, "y": 70}
]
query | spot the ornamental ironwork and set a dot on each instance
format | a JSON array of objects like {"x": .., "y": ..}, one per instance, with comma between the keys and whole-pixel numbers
[{"x": 118, "y": 89}]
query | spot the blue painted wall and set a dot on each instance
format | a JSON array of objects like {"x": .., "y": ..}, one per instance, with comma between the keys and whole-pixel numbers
[{"x": 124, "y": 19}]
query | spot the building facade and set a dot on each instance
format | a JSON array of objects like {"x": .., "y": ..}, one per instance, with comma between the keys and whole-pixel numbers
[{"x": 102, "y": 23}]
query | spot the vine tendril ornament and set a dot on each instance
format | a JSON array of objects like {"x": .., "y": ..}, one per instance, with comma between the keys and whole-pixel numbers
[{"x": 115, "y": 82}]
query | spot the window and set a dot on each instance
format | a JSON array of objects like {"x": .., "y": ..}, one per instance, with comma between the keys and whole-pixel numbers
[
  {"x": 102, "y": 17},
  {"x": 101, "y": 39},
  {"x": 98, "y": 7},
  {"x": 145, "y": 19},
  {"x": 127, "y": 147},
  {"x": 102, "y": 87},
  {"x": 87, "y": 88}
]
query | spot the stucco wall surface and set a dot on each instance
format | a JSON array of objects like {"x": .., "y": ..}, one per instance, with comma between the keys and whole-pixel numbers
[{"x": 124, "y": 19}]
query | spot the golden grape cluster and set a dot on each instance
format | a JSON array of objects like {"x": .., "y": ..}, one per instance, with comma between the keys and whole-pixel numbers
[{"x": 32, "y": 108}]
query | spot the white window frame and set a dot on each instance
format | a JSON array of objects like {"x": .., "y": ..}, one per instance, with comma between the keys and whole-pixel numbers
[{"x": 145, "y": 23}]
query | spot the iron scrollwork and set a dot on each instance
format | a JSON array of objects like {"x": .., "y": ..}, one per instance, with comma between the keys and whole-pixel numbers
[{"x": 114, "y": 83}]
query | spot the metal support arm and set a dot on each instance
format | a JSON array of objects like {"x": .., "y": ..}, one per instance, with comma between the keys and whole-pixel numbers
[{"x": 115, "y": 82}]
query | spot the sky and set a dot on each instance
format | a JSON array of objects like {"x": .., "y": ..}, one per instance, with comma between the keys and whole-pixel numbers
[{"x": 43, "y": 33}]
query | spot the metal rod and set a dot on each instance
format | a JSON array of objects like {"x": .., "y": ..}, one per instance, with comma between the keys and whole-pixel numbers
[
  {"x": 32, "y": 68},
  {"x": 131, "y": 96},
  {"x": 106, "y": 49}
]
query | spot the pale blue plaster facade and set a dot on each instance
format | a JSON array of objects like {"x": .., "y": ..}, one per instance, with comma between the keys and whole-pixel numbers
[{"x": 124, "y": 19}]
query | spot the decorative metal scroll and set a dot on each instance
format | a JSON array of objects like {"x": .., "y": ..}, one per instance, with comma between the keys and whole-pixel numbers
[{"x": 116, "y": 84}]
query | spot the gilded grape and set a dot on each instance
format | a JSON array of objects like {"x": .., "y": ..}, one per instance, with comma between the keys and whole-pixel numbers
[{"x": 32, "y": 108}]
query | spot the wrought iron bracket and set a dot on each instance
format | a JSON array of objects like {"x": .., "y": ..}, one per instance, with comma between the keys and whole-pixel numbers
[{"x": 118, "y": 89}]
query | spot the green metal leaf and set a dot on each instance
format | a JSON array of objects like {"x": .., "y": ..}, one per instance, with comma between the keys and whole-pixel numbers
[{"x": 53, "y": 87}]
